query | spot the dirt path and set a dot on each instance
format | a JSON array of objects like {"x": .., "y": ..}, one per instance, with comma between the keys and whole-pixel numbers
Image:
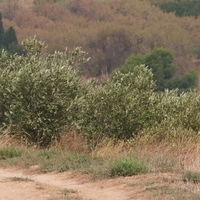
[{"x": 17, "y": 185}]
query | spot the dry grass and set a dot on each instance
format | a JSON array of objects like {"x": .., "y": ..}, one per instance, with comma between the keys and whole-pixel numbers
[
  {"x": 177, "y": 154},
  {"x": 7, "y": 139},
  {"x": 172, "y": 154},
  {"x": 181, "y": 153},
  {"x": 70, "y": 141},
  {"x": 111, "y": 149},
  {"x": 25, "y": 3},
  {"x": 192, "y": 159}
]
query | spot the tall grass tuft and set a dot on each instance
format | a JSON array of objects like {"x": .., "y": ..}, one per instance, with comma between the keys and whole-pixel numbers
[
  {"x": 127, "y": 166},
  {"x": 9, "y": 152}
]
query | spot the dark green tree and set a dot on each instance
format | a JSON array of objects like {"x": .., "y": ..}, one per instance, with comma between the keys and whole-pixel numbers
[
  {"x": 9, "y": 38},
  {"x": 1, "y": 30},
  {"x": 185, "y": 82},
  {"x": 131, "y": 61},
  {"x": 181, "y": 7},
  {"x": 10, "y": 43},
  {"x": 160, "y": 61}
]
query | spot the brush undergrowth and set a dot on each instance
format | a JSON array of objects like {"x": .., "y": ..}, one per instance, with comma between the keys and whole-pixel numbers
[
  {"x": 127, "y": 166},
  {"x": 112, "y": 158},
  {"x": 52, "y": 160},
  {"x": 116, "y": 159},
  {"x": 193, "y": 177}
]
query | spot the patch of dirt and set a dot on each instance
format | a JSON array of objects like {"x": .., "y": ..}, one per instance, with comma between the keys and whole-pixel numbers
[
  {"x": 14, "y": 185},
  {"x": 12, "y": 189}
]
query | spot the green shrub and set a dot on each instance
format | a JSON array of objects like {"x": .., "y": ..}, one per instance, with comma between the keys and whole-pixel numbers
[
  {"x": 39, "y": 92},
  {"x": 119, "y": 107},
  {"x": 181, "y": 8},
  {"x": 125, "y": 105},
  {"x": 174, "y": 110},
  {"x": 9, "y": 152},
  {"x": 192, "y": 177},
  {"x": 127, "y": 166},
  {"x": 42, "y": 94}
]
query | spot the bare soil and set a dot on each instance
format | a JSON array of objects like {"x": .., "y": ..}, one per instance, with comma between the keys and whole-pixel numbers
[{"x": 30, "y": 185}]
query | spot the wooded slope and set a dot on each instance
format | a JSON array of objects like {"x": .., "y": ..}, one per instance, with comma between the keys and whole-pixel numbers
[{"x": 109, "y": 31}]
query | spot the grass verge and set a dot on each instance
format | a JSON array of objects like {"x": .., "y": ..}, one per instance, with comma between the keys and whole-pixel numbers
[
  {"x": 51, "y": 160},
  {"x": 127, "y": 166},
  {"x": 113, "y": 159},
  {"x": 9, "y": 152}
]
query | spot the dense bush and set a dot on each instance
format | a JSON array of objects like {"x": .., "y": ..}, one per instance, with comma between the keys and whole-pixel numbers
[
  {"x": 38, "y": 92},
  {"x": 42, "y": 94},
  {"x": 126, "y": 105},
  {"x": 119, "y": 107},
  {"x": 179, "y": 110}
]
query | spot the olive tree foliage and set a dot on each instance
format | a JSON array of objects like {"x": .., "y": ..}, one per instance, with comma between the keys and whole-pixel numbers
[
  {"x": 119, "y": 107},
  {"x": 175, "y": 110},
  {"x": 126, "y": 105},
  {"x": 39, "y": 92},
  {"x": 174, "y": 115}
]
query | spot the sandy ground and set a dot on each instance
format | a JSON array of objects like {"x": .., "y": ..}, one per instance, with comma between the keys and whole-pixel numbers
[{"x": 29, "y": 185}]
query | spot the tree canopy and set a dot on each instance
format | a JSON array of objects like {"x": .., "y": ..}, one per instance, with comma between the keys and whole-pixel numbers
[
  {"x": 160, "y": 61},
  {"x": 181, "y": 7}
]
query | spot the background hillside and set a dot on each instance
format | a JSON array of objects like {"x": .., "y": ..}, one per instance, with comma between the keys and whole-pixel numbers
[{"x": 109, "y": 31}]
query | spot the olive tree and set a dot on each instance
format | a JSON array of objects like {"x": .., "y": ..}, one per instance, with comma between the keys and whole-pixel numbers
[
  {"x": 118, "y": 108},
  {"x": 39, "y": 91}
]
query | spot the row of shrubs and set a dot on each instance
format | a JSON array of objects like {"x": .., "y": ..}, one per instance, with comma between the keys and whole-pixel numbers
[{"x": 42, "y": 94}]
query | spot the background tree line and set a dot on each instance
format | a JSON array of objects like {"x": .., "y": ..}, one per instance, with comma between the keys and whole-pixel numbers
[
  {"x": 160, "y": 61},
  {"x": 110, "y": 31},
  {"x": 181, "y": 7}
]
